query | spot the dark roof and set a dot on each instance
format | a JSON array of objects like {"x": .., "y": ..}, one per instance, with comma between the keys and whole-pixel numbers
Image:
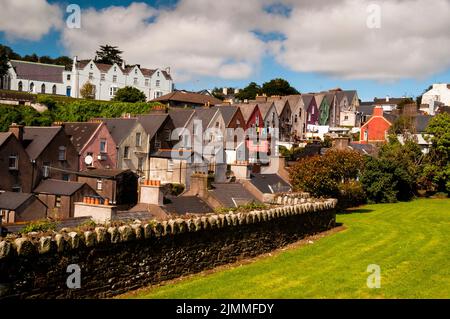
[
  {"x": 392, "y": 101},
  {"x": 38, "y": 138},
  {"x": 390, "y": 117},
  {"x": 57, "y": 187},
  {"x": 349, "y": 94},
  {"x": 38, "y": 71},
  {"x": 205, "y": 115},
  {"x": 80, "y": 132},
  {"x": 264, "y": 108},
  {"x": 188, "y": 98},
  {"x": 177, "y": 154},
  {"x": 187, "y": 205},
  {"x": 4, "y": 136},
  {"x": 12, "y": 200},
  {"x": 227, "y": 111},
  {"x": 119, "y": 128},
  {"x": 247, "y": 110},
  {"x": 263, "y": 181},
  {"x": 366, "y": 109},
  {"x": 421, "y": 122},
  {"x": 143, "y": 212},
  {"x": 232, "y": 194},
  {"x": 180, "y": 116},
  {"x": 152, "y": 122},
  {"x": 105, "y": 173},
  {"x": 364, "y": 149},
  {"x": 307, "y": 99}
]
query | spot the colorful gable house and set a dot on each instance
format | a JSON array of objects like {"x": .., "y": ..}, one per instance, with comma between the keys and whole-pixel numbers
[
  {"x": 284, "y": 112},
  {"x": 94, "y": 143},
  {"x": 298, "y": 114},
  {"x": 375, "y": 130},
  {"x": 348, "y": 103}
]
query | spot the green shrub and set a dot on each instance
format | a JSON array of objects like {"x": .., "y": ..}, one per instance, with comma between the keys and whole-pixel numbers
[
  {"x": 351, "y": 194},
  {"x": 39, "y": 226}
]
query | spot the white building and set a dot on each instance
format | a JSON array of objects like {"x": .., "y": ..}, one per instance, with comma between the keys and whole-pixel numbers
[
  {"x": 439, "y": 93},
  {"x": 107, "y": 79}
]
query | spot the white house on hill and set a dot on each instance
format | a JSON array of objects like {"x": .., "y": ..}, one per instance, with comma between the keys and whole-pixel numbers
[
  {"x": 438, "y": 93},
  {"x": 107, "y": 79}
]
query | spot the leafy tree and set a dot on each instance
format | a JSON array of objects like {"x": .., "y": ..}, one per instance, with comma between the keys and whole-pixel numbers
[
  {"x": 402, "y": 125},
  {"x": 31, "y": 58},
  {"x": 9, "y": 52},
  {"x": 88, "y": 91},
  {"x": 4, "y": 65},
  {"x": 249, "y": 92},
  {"x": 278, "y": 87},
  {"x": 109, "y": 54},
  {"x": 130, "y": 94},
  {"x": 218, "y": 93},
  {"x": 436, "y": 171}
]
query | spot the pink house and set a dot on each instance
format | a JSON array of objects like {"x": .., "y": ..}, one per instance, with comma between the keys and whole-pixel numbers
[{"x": 94, "y": 144}]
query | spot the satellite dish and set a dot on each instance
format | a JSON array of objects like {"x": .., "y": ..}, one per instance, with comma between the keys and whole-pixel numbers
[{"x": 88, "y": 160}]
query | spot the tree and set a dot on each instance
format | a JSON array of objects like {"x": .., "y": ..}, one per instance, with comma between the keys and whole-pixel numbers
[
  {"x": 278, "y": 87},
  {"x": 403, "y": 124},
  {"x": 129, "y": 94},
  {"x": 249, "y": 92},
  {"x": 109, "y": 55},
  {"x": 88, "y": 91},
  {"x": 4, "y": 65},
  {"x": 218, "y": 93},
  {"x": 436, "y": 172}
]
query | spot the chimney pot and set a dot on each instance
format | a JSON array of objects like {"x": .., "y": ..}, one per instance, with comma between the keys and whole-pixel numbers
[{"x": 17, "y": 130}]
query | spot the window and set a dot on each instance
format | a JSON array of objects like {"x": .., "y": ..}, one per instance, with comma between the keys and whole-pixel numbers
[
  {"x": 54, "y": 89},
  {"x": 217, "y": 124},
  {"x": 13, "y": 162},
  {"x": 102, "y": 77},
  {"x": 296, "y": 118},
  {"x": 68, "y": 77},
  {"x": 31, "y": 87},
  {"x": 140, "y": 164},
  {"x": 57, "y": 201},
  {"x": 112, "y": 90},
  {"x": 91, "y": 76},
  {"x": 158, "y": 82},
  {"x": 114, "y": 78},
  {"x": 126, "y": 151},
  {"x": 92, "y": 156},
  {"x": 135, "y": 71},
  {"x": 135, "y": 81},
  {"x": 46, "y": 169},
  {"x": 115, "y": 69},
  {"x": 366, "y": 135},
  {"x": 91, "y": 66},
  {"x": 312, "y": 110},
  {"x": 157, "y": 74},
  {"x": 168, "y": 134},
  {"x": 66, "y": 177},
  {"x": 43, "y": 88},
  {"x": 138, "y": 139},
  {"x": 20, "y": 88},
  {"x": 346, "y": 118},
  {"x": 146, "y": 82},
  {"x": 102, "y": 146},
  {"x": 170, "y": 165},
  {"x": 17, "y": 189},
  {"x": 99, "y": 184},
  {"x": 62, "y": 153}
]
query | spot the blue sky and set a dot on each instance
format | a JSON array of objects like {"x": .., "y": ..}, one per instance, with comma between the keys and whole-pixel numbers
[{"x": 279, "y": 46}]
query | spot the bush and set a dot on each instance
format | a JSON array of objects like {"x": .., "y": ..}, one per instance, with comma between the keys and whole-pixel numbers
[
  {"x": 130, "y": 94},
  {"x": 351, "y": 194},
  {"x": 39, "y": 226}
]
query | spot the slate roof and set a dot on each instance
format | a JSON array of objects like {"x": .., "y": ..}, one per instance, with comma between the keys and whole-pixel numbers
[
  {"x": 421, "y": 122},
  {"x": 38, "y": 71},
  {"x": 80, "y": 132},
  {"x": 279, "y": 105},
  {"x": 319, "y": 98},
  {"x": 390, "y": 117},
  {"x": 57, "y": 187},
  {"x": 187, "y": 205},
  {"x": 143, "y": 212},
  {"x": 4, "y": 136},
  {"x": 307, "y": 98},
  {"x": 152, "y": 122},
  {"x": 39, "y": 138},
  {"x": 180, "y": 117},
  {"x": 105, "y": 173},
  {"x": 12, "y": 200},
  {"x": 119, "y": 128},
  {"x": 366, "y": 109},
  {"x": 264, "y": 108},
  {"x": 247, "y": 110},
  {"x": 263, "y": 181},
  {"x": 227, "y": 111},
  {"x": 293, "y": 99},
  {"x": 350, "y": 94},
  {"x": 232, "y": 194},
  {"x": 205, "y": 115},
  {"x": 329, "y": 96},
  {"x": 189, "y": 98},
  {"x": 178, "y": 154},
  {"x": 392, "y": 101}
]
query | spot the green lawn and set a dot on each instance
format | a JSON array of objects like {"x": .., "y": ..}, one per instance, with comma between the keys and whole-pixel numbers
[{"x": 409, "y": 241}]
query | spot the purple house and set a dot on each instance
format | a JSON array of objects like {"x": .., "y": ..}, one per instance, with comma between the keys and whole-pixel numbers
[{"x": 312, "y": 110}]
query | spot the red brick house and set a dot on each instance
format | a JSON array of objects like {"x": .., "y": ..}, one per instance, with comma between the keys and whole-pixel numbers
[
  {"x": 376, "y": 128},
  {"x": 15, "y": 165},
  {"x": 95, "y": 145}
]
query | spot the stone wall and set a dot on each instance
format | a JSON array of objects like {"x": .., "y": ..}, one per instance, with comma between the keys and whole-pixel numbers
[{"x": 115, "y": 260}]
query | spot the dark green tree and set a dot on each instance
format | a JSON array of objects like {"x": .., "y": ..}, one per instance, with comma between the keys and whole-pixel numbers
[
  {"x": 4, "y": 65},
  {"x": 129, "y": 94},
  {"x": 278, "y": 87},
  {"x": 218, "y": 93},
  {"x": 109, "y": 54},
  {"x": 249, "y": 92}
]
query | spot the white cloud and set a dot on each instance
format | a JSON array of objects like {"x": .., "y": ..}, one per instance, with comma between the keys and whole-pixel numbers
[
  {"x": 333, "y": 39},
  {"x": 29, "y": 20},
  {"x": 198, "y": 38}
]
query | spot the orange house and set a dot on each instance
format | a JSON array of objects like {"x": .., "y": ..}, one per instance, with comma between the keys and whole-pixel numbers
[{"x": 375, "y": 129}]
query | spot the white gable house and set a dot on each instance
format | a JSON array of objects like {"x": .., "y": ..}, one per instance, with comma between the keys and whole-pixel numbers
[
  {"x": 439, "y": 93},
  {"x": 107, "y": 79}
]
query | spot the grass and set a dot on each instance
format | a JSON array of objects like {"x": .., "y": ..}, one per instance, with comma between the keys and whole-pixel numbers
[{"x": 409, "y": 241}]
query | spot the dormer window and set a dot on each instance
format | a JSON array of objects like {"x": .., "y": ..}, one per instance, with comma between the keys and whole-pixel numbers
[
  {"x": 62, "y": 153},
  {"x": 13, "y": 162}
]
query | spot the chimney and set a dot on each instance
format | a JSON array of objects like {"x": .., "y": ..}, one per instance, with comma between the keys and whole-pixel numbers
[
  {"x": 123, "y": 64},
  {"x": 168, "y": 70},
  {"x": 236, "y": 91},
  {"x": 151, "y": 193},
  {"x": 241, "y": 170},
  {"x": 199, "y": 185},
  {"x": 378, "y": 111},
  {"x": 225, "y": 91},
  {"x": 387, "y": 98},
  {"x": 17, "y": 130},
  {"x": 341, "y": 143}
]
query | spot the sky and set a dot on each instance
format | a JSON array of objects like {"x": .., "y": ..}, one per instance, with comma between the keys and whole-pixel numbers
[{"x": 380, "y": 48}]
